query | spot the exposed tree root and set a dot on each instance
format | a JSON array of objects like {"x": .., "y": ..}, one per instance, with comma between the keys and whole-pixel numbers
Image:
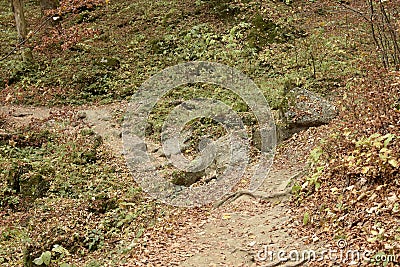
[{"x": 256, "y": 195}]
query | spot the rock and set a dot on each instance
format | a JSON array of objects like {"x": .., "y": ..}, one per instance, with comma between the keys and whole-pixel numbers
[
  {"x": 222, "y": 157},
  {"x": 186, "y": 178},
  {"x": 308, "y": 109},
  {"x": 24, "y": 181},
  {"x": 304, "y": 109},
  {"x": 106, "y": 117},
  {"x": 215, "y": 159},
  {"x": 82, "y": 115},
  {"x": 34, "y": 186}
]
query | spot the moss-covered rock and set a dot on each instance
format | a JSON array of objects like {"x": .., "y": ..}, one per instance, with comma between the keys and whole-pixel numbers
[
  {"x": 265, "y": 31},
  {"x": 186, "y": 178},
  {"x": 24, "y": 180},
  {"x": 34, "y": 186}
]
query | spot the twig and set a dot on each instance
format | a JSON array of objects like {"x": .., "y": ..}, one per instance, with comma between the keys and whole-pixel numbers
[
  {"x": 240, "y": 249},
  {"x": 22, "y": 114},
  {"x": 355, "y": 11}
]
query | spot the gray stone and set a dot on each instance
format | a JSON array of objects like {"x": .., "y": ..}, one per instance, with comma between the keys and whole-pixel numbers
[
  {"x": 306, "y": 108},
  {"x": 82, "y": 114},
  {"x": 303, "y": 109}
]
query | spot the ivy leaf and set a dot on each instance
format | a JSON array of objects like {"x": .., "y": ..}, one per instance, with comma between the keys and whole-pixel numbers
[
  {"x": 389, "y": 137},
  {"x": 296, "y": 189},
  {"x": 38, "y": 261},
  {"x": 317, "y": 185},
  {"x": 46, "y": 257},
  {"x": 60, "y": 249},
  {"x": 377, "y": 144}
]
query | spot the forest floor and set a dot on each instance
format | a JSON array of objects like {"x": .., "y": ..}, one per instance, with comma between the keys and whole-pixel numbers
[
  {"x": 241, "y": 232},
  {"x": 68, "y": 198}
]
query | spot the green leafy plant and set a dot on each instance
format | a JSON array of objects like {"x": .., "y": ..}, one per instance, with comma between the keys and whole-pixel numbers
[
  {"x": 43, "y": 259},
  {"x": 46, "y": 257},
  {"x": 296, "y": 189},
  {"x": 94, "y": 239},
  {"x": 316, "y": 169},
  {"x": 372, "y": 156}
]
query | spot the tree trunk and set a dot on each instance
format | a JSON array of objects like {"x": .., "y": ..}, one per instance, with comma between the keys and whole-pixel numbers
[{"x": 18, "y": 10}]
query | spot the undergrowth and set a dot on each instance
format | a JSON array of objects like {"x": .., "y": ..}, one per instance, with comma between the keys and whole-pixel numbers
[
  {"x": 64, "y": 195},
  {"x": 352, "y": 189},
  {"x": 102, "y": 52}
]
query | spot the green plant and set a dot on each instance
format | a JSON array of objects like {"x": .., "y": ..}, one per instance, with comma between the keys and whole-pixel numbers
[
  {"x": 316, "y": 167},
  {"x": 47, "y": 257},
  {"x": 372, "y": 156},
  {"x": 306, "y": 218},
  {"x": 296, "y": 189},
  {"x": 43, "y": 259},
  {"x": 94, "y": 239}
]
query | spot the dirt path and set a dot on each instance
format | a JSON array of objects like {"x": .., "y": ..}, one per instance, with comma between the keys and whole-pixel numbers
[
  {"x": 245, "y": 232},
  {"x": 236, "y": 234},
  {"x": 242, "y": 232}
]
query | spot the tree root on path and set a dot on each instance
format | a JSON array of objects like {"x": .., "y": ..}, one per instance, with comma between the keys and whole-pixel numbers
[{"x": 256, "y": 195}]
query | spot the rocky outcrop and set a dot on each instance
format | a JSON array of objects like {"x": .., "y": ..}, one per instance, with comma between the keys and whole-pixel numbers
[{"x": 303, "y": 109}]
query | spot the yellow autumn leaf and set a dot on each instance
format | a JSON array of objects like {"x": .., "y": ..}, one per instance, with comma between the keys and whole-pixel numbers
[
  {"x": 365, "y": 170},
  {"x": 377, "y": 144},
  {"x": 394, "y": 163},
  {"x": 385, "y": 150},
  {"x": 306, "y": 218},
  {"x": 226, "y": 216}
]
